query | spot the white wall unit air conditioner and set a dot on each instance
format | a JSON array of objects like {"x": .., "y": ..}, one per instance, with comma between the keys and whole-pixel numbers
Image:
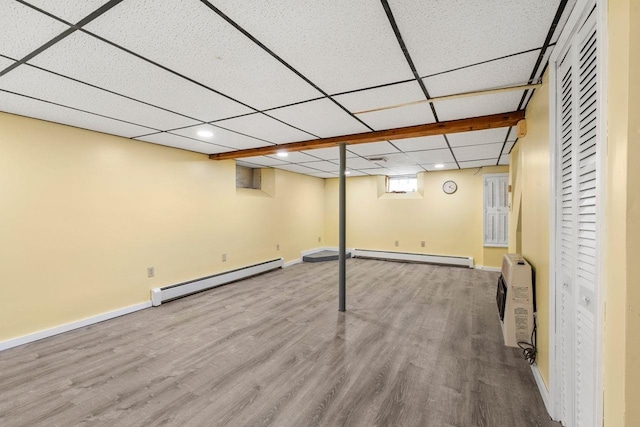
[{"x": 515, "y": 300}]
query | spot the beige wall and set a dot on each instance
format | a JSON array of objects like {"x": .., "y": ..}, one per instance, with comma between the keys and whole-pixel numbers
[
  {"x": 449, "y": 224},
  {"x": 83, "y": 214},
  {"x": 622, "y": 321},
  {"x": 530, "y": 179}
]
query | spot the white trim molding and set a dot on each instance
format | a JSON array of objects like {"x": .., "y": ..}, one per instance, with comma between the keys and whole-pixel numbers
[
  {"x": 544, "y": 392},
  {"x": 46, "y": 333},
  {"x": 404, "y": 256},
  {"x": 482, "y": 267}
]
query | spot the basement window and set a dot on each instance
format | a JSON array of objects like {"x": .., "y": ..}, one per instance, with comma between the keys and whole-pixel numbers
[
  {"x": 402, "y": 184},
  {"x": 248, "y": 177}
]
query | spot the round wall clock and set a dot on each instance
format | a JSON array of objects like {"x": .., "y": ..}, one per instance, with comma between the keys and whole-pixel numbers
[{"x": 449, "y": 187}]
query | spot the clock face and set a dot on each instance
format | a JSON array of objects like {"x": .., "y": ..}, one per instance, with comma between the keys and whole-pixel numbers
[{"x": 449, "y": 187}]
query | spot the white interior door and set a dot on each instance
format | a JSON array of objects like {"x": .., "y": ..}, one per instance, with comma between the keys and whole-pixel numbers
[{"x": 578, "y": 143}]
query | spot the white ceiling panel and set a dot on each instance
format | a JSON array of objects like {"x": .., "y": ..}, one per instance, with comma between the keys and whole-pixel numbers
[
  {"x": 323, "y": 166},
  {"x": 478, "y": 137},
  {"x": 352, "y": 173},
  {"x": 359, "y": 163},
  {"x": 443, "y": 35},
  {"x": 372, "y": 149},
  {"x": 478, "y": 152},
  {"x": 86, "y": 58},
  {"x": 191, "y": 39},
  {"x": 510, "y": 71},
  {"x": 504, "y": 159},
  {"x": 43, "y": 85},
  {"x": 23, "y": 29},
  {"x": 176, "y": 141},
  {"x": 321, "y": 117},
  {"x": 4, "y": 63},
  {"x": 221, "y": 137},
  {"x": 432, "y": 156},
  {"x": 70, "y": 10},
  {"x": 378, "y": 171},
  {"x": 247, "y": 164},
  {"x": 337, "y": 44},
  {"x": 563, "y": 19},
  {"x": 332, "y": 153},
  {"x": 407, "y": 170},
  {"x": 477, "y": 163},
  {"x": 475, "y": 106},
  {"x": 508, "y": 147},
  {"x": 421, "y": 143},
  {"x": 386, "y": 97},
  {"x": 264, "y": 160},
  {"x": 296, "y": 157},
  {"x": 431, "y": 167},
  {"x": 24, "y": 106},
  {"x": 297, "y": 169},
  {"x": 396, "y": 160},
  {"x": 261, "y": 126}
]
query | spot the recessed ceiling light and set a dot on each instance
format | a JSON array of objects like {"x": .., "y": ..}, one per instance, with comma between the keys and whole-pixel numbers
[
  {"x": 205, "y": 133},
  {"x": 438, "y": 166},
  {"x": 283, "y": 154},
  {"x": 347, "y": 173}
]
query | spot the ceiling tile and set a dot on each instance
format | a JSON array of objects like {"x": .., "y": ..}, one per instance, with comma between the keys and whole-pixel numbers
[
  {"x": 23, "y": 29},
  {"x": 432, "y": 156},
  {"x": 297, "y": 168},
  {"x": 563, "y": 20},
  {"x": 407, "y": 170},
  {"x": 477, "y": 163},
  {"x": 221, "y": 137},
  {"x": 176, "y": 141},
  {"x": 191, "y": 39},
  {"x": 70, "y": 10},
  {"x": 431, "y": 167},
  {"x": 359, "y": 163},
  {"x": 477, "y": 137},
  {"x": 352, "y": 173},
  {"x": 397, "y": 159},
  {"x": 378, "y": 171},
  {"x": 478, "y": 152},
  {"x": 372, "y": 149},
  {"x": 508, "y": 147},
  {"x": 4, "y": 63},
  {"x": 261, "y": 126},
  {"x": 476, "y": 106},
  {"x": 510, "y": 71},
  {"x": 332, "y": 153},
  {"x": 296, "y": 157},
  {"x": 321, "y": 117},
  {"x": 386, "y": 97},
  {"x": 323, "y": 166},
  {"x": 504, "y": 159},
  {"x": 443, "y": 35},
  {"x": 421, "y": 143},
  {"x": 29, "y": 107},
  {"x": 337, "y": 44},
  {"x": 263, "y": 160},
  {"x": 247, "y": 164},
  {"x": 86, "y": 58},
  {"x": 43, "y": 85}
]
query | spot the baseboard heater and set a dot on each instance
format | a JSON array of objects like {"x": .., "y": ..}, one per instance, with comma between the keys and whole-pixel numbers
[
  {"x": 168, "y": 293},
  {"x": 403, "y": 256}
]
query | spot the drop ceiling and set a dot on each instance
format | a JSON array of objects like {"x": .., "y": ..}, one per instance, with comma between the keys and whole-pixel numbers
[{"x": 258, "y": 73}]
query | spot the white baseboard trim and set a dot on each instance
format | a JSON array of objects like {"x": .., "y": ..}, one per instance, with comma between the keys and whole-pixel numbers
[
  {"x": 292, "y": 262},
  {"x": 25, "y": 339},
  {"x": 542, "y": 388},
  {"x": 482, "y": 267},
  {"x": 403, "y": 256}
]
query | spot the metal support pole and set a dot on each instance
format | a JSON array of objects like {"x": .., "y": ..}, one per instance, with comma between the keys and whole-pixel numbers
[{"x": 342, "y": 267}]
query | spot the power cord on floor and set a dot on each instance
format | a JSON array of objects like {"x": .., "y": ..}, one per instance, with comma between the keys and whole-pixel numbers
[{"x": 529, "y": 350}]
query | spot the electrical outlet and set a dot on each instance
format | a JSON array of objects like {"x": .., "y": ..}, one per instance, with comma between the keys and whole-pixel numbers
[
  {"x": 319, "y": 239},
  {"x": 151, "y": 272},
  {"x": 224, "y": 257},
  {"x": 397, "y": 243},
  {"x": 278, "y": 247},
  {"x": 422, "y": 244}
]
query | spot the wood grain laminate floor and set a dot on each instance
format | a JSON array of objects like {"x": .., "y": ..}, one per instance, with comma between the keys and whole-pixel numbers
[{"x": 420, "y": 345}]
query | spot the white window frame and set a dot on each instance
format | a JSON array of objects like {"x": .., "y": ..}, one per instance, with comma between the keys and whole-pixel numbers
[{"x": 485, "y": 177}]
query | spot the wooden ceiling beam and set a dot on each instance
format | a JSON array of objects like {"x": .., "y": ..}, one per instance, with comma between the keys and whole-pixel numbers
[{"x": 454, "y": 126}]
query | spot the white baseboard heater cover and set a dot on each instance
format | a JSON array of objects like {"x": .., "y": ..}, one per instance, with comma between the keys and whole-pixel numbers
[
  {"x": 403, "y": 256},
  {"x": 167, "y": 293}
]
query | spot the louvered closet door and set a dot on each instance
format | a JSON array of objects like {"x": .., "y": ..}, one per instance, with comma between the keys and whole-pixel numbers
[
  {"x": 566, "y": 234},
  {"x": 578, "y": 143}
]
